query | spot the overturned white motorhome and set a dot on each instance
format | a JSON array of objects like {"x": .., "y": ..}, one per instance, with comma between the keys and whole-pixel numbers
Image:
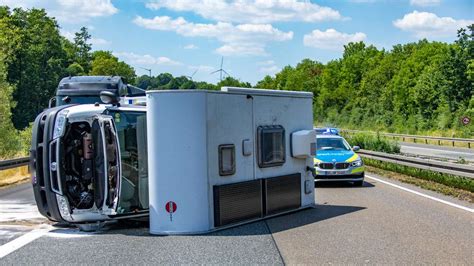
[
  {"x": 221, "y": 158},
  {"x": 217, "y": 159}
]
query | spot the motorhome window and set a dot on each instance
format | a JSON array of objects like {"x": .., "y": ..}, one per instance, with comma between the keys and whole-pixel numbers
[
  {"x": 131, "y": 131},
  {"x": 226, "y": 159},
  {"x": 271, "y": 146}
]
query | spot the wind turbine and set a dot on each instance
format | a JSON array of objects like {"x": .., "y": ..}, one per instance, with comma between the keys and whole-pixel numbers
[
  {"x": 221, "y": 70},
  {"x": 192, "y": 75},
  {"x": 147, "y": 69}
]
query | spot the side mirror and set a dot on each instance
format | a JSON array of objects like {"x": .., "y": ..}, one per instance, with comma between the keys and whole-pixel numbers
[
  {"x": 52, "y": 102},
  {"x": 108, "y": 97},
  {"x": 356, "y": 148}
]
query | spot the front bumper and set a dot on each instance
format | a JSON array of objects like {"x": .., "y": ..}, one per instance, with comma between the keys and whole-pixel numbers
[{"x": 350, "y": 174}]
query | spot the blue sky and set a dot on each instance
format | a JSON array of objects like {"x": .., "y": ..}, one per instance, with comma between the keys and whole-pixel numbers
[{"x": 256, "y": 38}]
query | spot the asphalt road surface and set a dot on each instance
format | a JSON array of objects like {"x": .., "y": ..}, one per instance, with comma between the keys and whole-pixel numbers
[
  {"x": 453, "y": 153},
  {"x": 374, "y": 224}
]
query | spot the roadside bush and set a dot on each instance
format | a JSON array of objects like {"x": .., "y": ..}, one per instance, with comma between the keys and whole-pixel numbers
[
  {"x": 372, "y": 142},
  {"x": 441, "y": 178}
]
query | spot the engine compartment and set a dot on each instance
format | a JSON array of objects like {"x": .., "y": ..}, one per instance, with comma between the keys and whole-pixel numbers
[{"x": 78, "y": 165}]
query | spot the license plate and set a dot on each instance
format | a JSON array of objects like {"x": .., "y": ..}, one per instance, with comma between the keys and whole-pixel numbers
[{"x": 335, "y": 172}]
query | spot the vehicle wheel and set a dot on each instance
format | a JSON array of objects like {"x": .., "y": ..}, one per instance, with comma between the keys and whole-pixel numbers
[{"x": 358, "y": 183}]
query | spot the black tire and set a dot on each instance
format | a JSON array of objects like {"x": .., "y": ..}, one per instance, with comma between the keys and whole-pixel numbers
[{"x": 358, "y": 183}]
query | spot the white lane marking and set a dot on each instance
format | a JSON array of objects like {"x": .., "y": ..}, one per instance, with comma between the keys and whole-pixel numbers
[
  {"x": 22, "y": 241},
  {"x": 421, "y": 194}
]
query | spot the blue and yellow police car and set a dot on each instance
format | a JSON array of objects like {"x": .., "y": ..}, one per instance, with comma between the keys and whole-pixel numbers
[{"x": 335, "y": 160}]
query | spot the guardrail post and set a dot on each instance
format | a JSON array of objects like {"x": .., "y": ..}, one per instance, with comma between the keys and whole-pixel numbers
[
  {"x": 468, "y": 144},
  {"x": 426, "y": 141},
  {"x": 439, "y": 142},
  {"x": 453, "y": 143},
  {"x": 414, "y": 140}
]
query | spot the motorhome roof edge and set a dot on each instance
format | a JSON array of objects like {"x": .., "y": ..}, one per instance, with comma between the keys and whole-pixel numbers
[{"x": 249, "y": 91}]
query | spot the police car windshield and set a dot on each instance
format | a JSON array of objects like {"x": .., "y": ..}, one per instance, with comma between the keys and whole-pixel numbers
[{"x": 332, "y": 144}]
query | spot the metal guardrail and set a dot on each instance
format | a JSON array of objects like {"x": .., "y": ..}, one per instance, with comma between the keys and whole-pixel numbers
[
  {"x": 469, "y": 142},
  {"x": 14, "y": 163},
  {"x": 436, "y": 166}
]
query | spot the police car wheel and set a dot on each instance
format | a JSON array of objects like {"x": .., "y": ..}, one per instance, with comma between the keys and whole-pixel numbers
[{"x": 358, "y": 183}]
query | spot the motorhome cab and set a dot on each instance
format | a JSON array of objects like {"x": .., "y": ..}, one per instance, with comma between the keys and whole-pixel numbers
[
  {"x": 212, "y": 159},
  {"x": 89, "y": 163}
]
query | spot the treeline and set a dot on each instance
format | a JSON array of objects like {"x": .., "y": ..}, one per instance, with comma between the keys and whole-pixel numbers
[
  {"x": 418, "y": 88},
  {"x": 33, "y": 59},
  {"x": 166, "y": 81},
  {"x": 423, "y": 87}
]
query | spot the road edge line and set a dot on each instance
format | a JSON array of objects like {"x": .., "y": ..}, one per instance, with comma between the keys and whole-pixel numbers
[
  {"x": 21, "y": 241},
  {"x": 422, "y": 194}
]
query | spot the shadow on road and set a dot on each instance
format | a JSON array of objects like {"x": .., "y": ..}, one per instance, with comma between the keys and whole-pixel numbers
[
  {"x": 317, "y": 214},
  {"x": 277, "y": 224}
]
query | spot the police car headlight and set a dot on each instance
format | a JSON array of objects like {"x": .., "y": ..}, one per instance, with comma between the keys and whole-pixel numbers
[
  {"x": 59, "y": 124},
  {"x": 357, "y": 163}
]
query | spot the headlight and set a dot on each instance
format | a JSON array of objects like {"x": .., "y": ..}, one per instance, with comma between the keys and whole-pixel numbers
[
  {"x": 60, "y": 124},
  {"x": 63, "y": 207},
  {"x": 357, "y": 163}
]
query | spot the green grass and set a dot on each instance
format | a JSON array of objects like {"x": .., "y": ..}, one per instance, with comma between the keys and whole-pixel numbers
[
  {"x": 453, "y": 181},
  {"x": 372, "y": 142}
]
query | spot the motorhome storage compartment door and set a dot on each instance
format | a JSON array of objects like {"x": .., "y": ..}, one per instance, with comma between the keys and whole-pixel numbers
[
  {"x": 237, "y": 202},
  {"x": 283, "y": 193}
]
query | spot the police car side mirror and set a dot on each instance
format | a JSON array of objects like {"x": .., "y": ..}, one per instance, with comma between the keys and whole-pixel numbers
[{"x": 356, "y": 148}]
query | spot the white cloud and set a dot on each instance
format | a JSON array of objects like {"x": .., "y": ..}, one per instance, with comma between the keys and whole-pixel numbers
[
  {"x": 424, "y": 24},
  {"x": 242, "y": 39},
  {"x": 268, "y": 67},
  {"x": 425, "y": 3},
  {"x": 266, "y": 63},
  {"x": 331, "y": 39},
  {"x": 190, "y": 47},
  {"x": 99, "y": 42},
  {"x": 146, "y": 59},
  {"x": 94, "y": 41},
  {"x": 67, "y": 34},
  {"x": 68, "y": 11},
  {"x": 247, "y": 11}
]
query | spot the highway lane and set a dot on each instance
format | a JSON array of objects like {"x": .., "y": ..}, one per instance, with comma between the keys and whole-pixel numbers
[
  {"x": 374, "y": 224},
  {"x": 453, "y": 153}
]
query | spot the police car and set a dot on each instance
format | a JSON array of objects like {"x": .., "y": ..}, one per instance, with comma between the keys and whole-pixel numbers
[{"x": 335, "y": 160}]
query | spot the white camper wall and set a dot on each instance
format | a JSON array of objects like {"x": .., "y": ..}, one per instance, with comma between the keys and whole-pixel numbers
[
  {"x": 294, "y": 114},
  {"x": 229, "y": 118},
  {"x": 177, "y": 152}
]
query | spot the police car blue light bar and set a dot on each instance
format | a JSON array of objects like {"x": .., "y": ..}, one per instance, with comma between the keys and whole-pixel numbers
[{"x": 327, "y": 131}]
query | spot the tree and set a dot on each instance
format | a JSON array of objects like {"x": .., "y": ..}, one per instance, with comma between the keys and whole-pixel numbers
[
  {"x": 34, "y": 60},
  {"x": 232, "y": 82},
  {"x": 82, "y": 49},
  {"x": 104, "y": 63},
  {"x": 8, "y": 141}
]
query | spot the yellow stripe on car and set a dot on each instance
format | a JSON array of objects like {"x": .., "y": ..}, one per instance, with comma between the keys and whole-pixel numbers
[
  {"x": 357, "y": 170},
  {"x": 353, "y": 158},
  {"x": 316, "y": 161}
]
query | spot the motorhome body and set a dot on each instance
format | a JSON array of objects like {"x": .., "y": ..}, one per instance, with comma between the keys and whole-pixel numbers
[
  {"x": 222, "y": 158},
  {"x": 89, "y": 162}
]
